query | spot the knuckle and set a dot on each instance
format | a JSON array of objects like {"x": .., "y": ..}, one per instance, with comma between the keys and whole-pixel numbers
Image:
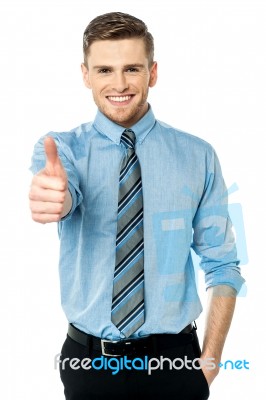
[
  {"x": 63, "y": 196},
  {"x": 31, "y": 194},
  {"x": 34, "y": 193},
  {"x": 63, "y": 185},
  {"x": 57, "y": 218},
  {"x": 36, "y": 218},
  {"x": 60, "y": 208}
]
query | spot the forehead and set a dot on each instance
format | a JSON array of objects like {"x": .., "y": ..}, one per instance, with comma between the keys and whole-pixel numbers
[{"x": 111, "y": 51}]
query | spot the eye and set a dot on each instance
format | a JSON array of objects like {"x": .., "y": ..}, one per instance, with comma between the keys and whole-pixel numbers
[
  {"x": 104, "y": 71},
  {"x": 132, "y": 69}
]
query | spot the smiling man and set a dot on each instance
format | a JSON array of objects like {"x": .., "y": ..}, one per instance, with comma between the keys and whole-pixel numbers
[
  {"x": 120, "y": 85},
  {"x": 132, "y": 197}
]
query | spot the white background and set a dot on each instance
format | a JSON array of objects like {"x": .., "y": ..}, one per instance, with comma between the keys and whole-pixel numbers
[{"x": 212, "y": 64}]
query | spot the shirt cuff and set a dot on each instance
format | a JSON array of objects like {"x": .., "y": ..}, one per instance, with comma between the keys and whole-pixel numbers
[
  {"x": 225, "y": 276},
  {"x": 76, "y": 200}
]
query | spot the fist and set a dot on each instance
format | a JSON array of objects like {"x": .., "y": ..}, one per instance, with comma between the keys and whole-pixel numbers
[{"x": 49, "y": 197}]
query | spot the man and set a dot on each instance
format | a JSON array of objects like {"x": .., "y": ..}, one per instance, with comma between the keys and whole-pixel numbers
[{"x": 130, "y": 194}]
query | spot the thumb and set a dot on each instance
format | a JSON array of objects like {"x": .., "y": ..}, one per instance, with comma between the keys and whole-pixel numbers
[{"x": 53, "y": 165}]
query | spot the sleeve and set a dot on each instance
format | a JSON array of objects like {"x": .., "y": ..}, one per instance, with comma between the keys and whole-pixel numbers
[
  {"x": 38, "y": 163},
  {"x": 213, "y": 238}
]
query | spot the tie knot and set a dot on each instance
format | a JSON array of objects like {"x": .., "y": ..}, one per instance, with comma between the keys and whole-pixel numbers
[{"x": 128, "y": 138}]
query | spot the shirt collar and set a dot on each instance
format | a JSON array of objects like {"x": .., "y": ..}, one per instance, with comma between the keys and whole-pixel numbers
[{"x": 114, "y": 131}]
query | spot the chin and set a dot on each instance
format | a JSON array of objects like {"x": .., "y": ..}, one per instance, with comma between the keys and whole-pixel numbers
[
  {"x": 119, "y": 117},
  {"x": 123, "y": 117}
]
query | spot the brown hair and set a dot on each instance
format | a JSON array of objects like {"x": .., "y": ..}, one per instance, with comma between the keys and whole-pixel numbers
[{"x": 115, "y": 26}]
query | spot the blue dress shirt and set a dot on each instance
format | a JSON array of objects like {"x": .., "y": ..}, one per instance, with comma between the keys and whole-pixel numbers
[{"x": 185, "y": 207}]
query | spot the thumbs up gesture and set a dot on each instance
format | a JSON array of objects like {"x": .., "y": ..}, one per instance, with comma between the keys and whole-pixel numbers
[{"x": 50, "y": 199}]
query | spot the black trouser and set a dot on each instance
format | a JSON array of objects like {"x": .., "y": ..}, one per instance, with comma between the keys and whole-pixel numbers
[{"x": 100, "y": 380}]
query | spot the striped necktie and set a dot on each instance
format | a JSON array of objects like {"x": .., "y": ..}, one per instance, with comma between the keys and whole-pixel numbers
[{"x": 128, "y": 286}]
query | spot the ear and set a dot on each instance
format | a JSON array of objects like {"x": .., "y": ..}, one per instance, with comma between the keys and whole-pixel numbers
[
  {"x": 85, "y": 75},
  {"x": 153, "y": 74}
]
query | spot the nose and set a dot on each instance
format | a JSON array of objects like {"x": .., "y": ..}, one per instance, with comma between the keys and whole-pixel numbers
[{"x": 119, "y": 83}]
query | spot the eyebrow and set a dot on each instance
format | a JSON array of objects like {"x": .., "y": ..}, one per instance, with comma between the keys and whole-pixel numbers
[{"x": 135, "y": 65}]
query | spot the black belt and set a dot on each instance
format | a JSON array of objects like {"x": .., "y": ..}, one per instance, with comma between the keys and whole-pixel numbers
[{"x": 124, "y": 347}]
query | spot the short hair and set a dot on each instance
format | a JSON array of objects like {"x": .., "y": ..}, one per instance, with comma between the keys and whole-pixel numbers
[{"x": 116, "y": 26}]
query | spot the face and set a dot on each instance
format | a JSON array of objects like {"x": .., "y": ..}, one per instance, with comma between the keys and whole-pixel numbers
[{"x": 119, "y": 75}]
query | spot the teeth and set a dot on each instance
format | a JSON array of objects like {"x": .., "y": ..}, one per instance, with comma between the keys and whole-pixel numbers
[{"x": 120, "y": 98}]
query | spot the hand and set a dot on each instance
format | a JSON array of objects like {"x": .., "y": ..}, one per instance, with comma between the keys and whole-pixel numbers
[
  {"x": 209, "y": 373},
  {"x": 49, "y": 188}
]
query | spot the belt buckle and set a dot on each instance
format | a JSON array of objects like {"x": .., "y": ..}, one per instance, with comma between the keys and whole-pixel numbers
[{"x": 104, "y": 352}]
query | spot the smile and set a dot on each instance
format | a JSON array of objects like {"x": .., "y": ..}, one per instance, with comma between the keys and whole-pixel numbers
[{"x": 119, "y": 99}]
